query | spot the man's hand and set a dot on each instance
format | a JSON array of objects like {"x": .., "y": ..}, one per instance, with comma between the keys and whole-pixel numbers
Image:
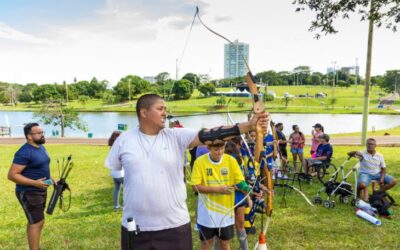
[
  {"x": 260, "y": 121},
  {"x": 40, "y": 184},
  {"x": 352, "y": 153}
]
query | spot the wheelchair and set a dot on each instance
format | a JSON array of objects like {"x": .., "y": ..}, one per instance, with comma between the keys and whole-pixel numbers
[{"x": 322, "y": 170}]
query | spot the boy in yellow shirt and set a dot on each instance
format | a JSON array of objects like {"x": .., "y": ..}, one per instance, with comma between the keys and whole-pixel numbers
[{"x": 214, "y": 177}]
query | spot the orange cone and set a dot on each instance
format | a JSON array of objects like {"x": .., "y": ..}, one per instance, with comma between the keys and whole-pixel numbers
[{"x": 262, "y": 243}]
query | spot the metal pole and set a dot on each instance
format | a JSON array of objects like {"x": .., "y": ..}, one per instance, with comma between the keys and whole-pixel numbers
[
  {"x": 237, "y": 58},
  {"x": 129, "y": 87},
  {"x": 367, "y": 75}
]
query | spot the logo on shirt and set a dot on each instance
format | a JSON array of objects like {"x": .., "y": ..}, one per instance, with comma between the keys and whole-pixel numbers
[
  {"x": 224, "y": 171},
  {"x": 209, "y": 172}
]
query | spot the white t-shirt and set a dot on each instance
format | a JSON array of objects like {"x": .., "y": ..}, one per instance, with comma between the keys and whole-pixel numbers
[
  {"x": 154, "y": 188},
  {"x": 371, "y": 164}
]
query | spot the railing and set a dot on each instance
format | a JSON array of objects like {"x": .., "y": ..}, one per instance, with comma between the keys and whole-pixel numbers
[{"x": 5, "y": 131}]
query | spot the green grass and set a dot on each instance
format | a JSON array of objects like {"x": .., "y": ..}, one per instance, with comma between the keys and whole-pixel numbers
[
  {"x": 91, "y": 222},
  {"x": 391, "y": 131},
  {"x": 348, "y": 102}
]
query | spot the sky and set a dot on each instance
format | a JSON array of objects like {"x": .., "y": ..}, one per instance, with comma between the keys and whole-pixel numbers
[{"x": 46, "y": 41}]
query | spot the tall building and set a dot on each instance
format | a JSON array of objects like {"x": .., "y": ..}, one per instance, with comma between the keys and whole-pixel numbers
[{"x": 234, "y": 65}]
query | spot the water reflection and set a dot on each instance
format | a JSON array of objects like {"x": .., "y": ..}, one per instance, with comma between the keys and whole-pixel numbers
[{"x": 103, "y": 123}]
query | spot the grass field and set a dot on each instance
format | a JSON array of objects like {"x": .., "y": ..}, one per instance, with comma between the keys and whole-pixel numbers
[
  {"x": 91, "y": 222},
  {"x": 348, "y": 101}
]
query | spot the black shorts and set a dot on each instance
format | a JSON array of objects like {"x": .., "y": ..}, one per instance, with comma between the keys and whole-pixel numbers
[
  {"x": 33, "y": 203},
  {"x": 207, "y": 233},
  {"x": 179, "y": 238}
]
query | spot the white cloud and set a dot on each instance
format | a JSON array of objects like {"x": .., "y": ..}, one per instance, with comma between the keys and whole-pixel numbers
[{"x": 7, "y": 32}]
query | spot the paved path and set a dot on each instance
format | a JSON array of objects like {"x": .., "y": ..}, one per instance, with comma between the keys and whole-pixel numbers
[{"x": 392, "y": 140}]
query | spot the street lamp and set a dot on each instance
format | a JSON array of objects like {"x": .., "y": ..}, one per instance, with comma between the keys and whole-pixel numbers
[{"x": 129, "y": 89}]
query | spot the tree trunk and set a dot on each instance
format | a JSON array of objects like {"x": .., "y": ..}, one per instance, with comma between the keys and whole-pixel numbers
[
  {"x": 368, "y": 75},
  {"x": 62, "y": 125}
]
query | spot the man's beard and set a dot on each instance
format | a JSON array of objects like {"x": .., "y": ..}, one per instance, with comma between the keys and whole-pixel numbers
[{"x": 42, "y": 140}]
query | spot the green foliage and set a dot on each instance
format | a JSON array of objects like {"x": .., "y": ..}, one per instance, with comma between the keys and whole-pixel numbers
[
  {"x": 221, "y": 101},
  {"x": 162, "y": 77},
  {"x": 386, "y": 13},
  {"x": 342, "y": 83},
  {"x": 268, "y": 97},
  {"x": 207, "y": 89},
  {"x": 57, "y": 114},
  {"x": 48, "y": 93},
  {"x": 286, "y": 100},
  {"x": 182, "y": 89},
  {"x": 193, "y": 78},
  {"x": 270, "y": 77},
  {"x": 83, "y": 99},
  {"x": 131, "y": 84},
  {"x": 108, "y": 97},
  {"x": 390, "y": 80}
]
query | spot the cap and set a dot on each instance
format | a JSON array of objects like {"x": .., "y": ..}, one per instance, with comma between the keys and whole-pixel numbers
[{"x": 317, "y": 125}]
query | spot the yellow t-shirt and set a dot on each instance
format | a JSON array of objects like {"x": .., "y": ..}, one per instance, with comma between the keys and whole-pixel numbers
[{"x": 213, "y": 207}]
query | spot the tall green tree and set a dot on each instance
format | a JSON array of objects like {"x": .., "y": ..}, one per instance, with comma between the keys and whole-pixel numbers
[
  {"x": 130, "y": 86},
  {"x": 390, "y": 82},
  {"x": 59, "y": 115},
  {"x": 162, "y": 77},
  {"x": 207, "y": 89},
  {"x": 377, "y": 12},
  {"x": 195, "y": 79},
  {"x": 182, "y": 89}
]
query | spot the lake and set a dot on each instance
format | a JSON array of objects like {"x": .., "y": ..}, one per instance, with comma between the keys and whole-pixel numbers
[{"x": 103, "y": 123}]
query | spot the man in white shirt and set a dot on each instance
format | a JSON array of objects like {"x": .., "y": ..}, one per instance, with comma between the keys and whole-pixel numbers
[
  {"x": 152, "y": 157},
  {"x": 372, "y": 168}
]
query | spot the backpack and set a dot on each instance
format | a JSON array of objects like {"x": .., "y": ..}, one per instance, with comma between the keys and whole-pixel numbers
[
  {"x": 382, "y": 201},
  {"x": 343, "y": 190}
]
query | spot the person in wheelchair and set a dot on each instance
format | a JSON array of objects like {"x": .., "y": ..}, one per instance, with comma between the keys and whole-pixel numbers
[
  {"x": 323, "y": 155},
  {"x": 373, "y": 168}
]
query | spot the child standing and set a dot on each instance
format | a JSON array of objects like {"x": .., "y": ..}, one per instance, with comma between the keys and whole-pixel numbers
[{"x": 214, "y": 176}]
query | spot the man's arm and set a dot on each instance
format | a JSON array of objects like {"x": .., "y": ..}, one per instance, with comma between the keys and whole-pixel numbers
[
  {"x": 354, "y": 154},
  {"x": 14, "y": 174},
  {"x": 261, "y": 121}
]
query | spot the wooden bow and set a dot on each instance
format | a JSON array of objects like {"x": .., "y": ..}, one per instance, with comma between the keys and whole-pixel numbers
[{"x": 258, "y": 107}]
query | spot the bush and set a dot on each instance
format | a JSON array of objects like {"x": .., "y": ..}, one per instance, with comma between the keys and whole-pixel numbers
[
  {"x": 221, "y": 101},
  {"x": 268, "y": 97}
]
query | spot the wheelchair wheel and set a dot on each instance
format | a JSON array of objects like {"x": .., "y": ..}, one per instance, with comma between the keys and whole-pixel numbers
[
  {"x": 317, "y": 200},
  {"x": 325, "y": 172}
]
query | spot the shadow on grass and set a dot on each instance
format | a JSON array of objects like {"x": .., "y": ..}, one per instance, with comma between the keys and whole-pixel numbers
[{"x": 98, "y": 202}]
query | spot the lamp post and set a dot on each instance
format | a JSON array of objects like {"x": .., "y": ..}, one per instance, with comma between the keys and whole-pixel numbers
[{"x": 129, "y": 89}]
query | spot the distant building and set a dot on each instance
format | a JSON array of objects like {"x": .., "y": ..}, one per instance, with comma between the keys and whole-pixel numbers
[
  {"x": 150, "y": 79},
  {"x": 351, "y": 70},
  {"x": 234, "y": 65},
  {"x": 330, "y": 70}
]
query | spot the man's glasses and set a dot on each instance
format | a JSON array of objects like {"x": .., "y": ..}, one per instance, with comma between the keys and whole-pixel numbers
[{"x": 38, "y": 133}]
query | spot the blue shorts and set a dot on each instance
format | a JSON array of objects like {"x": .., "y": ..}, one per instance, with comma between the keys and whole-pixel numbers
[
  {"x": 297, "y": 150},
  {"x": 367, "y": 178}
]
